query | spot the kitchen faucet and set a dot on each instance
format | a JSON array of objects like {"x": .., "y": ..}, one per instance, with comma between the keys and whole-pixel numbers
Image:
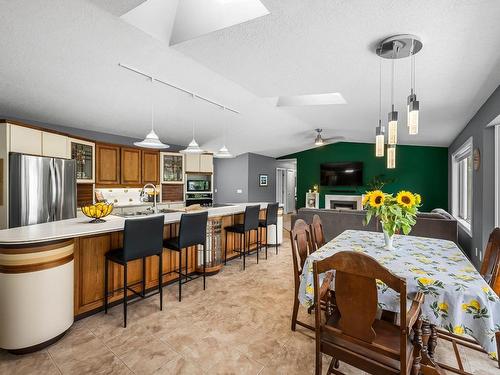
[{"x": 143, "y": 191}]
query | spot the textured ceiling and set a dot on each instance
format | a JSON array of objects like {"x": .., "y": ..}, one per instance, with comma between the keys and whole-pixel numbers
[{"x": 63, "y": 69}]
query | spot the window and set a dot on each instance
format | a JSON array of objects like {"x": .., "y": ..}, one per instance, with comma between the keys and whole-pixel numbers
[{"x": 462, "y": 185}]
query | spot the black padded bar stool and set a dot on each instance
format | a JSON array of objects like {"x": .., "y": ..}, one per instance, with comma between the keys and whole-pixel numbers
[
  {"x": 250, "y": 223},
  {"x": 192, "y": 232},
  {"x": 271, "y": 219},
  {"x": 141, "y": 238}
]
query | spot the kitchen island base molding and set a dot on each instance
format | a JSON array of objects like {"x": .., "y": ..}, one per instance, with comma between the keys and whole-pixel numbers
[{"x": 36, "y": 294}]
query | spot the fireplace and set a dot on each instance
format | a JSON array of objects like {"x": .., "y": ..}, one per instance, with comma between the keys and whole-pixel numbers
[
  {"x": 344, "y": 202},
  {"x": 343, "y": 205}
]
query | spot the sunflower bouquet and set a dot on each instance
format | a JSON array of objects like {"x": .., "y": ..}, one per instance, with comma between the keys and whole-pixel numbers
[{"x": 397, "y": 214}]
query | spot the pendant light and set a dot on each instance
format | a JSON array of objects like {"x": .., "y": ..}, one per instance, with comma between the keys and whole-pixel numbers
[
  {"x": 151, "y": 140},
  {"x": 193, "y": 147},
  {"x": 380, "y": 129},
  {"x": 412, "y": 102},
  {"x": 392, "y": 131},
  {"x": 391, "y": 156},
  {"x": 223, "y": 153}
]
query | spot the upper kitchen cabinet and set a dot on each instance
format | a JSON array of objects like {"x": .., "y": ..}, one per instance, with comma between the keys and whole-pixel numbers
[
  {"x": 107, "y": 164},
  {"x": 54, "y": 145},
  {"x": 25, "y": 140},
  {"x": 150, "y": 170},
  {"x": 199, "y": 163},
  {"x": 172, "y": 168},
  {"x": 84, "y": 154},
  {"x": 131, "y": 166}
]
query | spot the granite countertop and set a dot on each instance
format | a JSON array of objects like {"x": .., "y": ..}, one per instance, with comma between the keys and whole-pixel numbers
[{"x": 80, "y": 226}]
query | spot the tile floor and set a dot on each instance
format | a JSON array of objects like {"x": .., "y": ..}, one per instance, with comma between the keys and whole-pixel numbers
[{"x": 239, "y": 325}]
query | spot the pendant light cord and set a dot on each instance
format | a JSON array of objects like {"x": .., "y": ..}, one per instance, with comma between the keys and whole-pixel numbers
[
  {"x": 152, "y": 104},
  {"x": 380, "y": 92},
  {"x": 412, "y": 67}
]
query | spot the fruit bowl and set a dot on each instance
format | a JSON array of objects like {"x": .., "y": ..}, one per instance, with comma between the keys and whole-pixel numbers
[{"x": 97, "y": 211}]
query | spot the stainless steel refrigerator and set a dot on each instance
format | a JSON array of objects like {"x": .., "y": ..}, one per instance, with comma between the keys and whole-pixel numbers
[{"x": 41, "y": 189}]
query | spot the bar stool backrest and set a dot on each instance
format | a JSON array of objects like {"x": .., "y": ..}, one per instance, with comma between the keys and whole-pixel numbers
[
  {"x": 193, "y": 229},
  {"x": 143, "y": 237},
  {"x": 251, "y": 220},
  {"x": 272, "y": 214}
]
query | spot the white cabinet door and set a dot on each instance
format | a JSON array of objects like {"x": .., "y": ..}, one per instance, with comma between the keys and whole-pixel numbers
[
  {"x": 54, "y": 145},
  {"x": 25, "y": 140},
  {"x": 192, "y": 162},
  {"x": 206, "y": 163}
]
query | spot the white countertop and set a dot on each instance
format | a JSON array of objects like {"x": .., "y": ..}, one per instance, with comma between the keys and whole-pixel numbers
[{"x": 80, "y": 226}]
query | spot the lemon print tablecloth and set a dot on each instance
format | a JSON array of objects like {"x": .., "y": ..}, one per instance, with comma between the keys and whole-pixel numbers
[{"x": 456, "y": 296}]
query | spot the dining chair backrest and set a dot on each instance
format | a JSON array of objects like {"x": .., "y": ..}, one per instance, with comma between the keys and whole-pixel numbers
[
  {"x": 193, "y": 229},
  {"x": 490, "y": 268},
  {"x": 251, "y": 218},
  {"x": 317, "y": 232},
  {"x": 272, "y": 214},
  {"x": 301, "y": 239},
  {"x": 143, "y": 237},
  {"x": 356, "y": 295}
]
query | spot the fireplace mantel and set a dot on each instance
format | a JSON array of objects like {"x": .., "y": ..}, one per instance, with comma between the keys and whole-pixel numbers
[{"x": 344, "y": 200}]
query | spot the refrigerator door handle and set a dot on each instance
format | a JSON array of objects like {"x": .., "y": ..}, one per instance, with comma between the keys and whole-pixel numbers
[{"x": 52, "y": 191}]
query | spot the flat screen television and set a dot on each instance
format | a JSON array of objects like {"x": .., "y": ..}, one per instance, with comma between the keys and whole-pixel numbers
[{"x": 342, "y": 174}]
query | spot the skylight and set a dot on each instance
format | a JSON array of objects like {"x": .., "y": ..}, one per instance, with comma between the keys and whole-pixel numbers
[{"x": 313, "y": 99}]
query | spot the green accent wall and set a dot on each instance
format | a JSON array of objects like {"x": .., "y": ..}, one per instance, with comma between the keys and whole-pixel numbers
[{"x": 419, "y": 169}]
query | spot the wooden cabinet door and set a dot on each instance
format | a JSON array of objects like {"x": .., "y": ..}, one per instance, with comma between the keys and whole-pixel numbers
[
  {"x": 107, "y": 164},
  {"x": 54, "y": 145},
  {"x": 150, "y": 167},
  {"x": 25, "y": 140},
  {"x": 131, "y": 166},
  {"x": 192, "y": 162},
  {"x": 207, "y": 163}
]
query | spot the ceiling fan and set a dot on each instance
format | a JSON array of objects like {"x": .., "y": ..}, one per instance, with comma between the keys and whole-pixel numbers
[{"x": 320, "y": 141}]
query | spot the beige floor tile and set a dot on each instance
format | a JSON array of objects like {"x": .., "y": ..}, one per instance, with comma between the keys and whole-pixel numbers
[
  {"x": 236, "y": 363},
  {"x": 180, "y": 366},
  {"x": 25, "y": 364}
]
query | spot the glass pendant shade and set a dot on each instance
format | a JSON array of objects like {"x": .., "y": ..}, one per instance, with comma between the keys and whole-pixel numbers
[
  {"x": 392, "y": 128},
  {"x": 223, "y": 153},
  {"x": 413, "y": 110},
  {"x": 192, "y": 148},
  {"x": 379, "y": 141},
  {"x": 151, "y": 141},
  {"x": 391, "y": 156}
]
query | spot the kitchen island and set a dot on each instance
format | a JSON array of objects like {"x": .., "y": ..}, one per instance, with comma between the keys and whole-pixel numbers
[{"x": 52, "y": 273}]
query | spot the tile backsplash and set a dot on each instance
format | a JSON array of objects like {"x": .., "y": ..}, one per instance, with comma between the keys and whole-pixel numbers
[{"x": 121, "y": 197}]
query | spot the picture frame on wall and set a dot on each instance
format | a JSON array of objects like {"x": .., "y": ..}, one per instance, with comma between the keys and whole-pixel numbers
[{"x": 263, "y": 179}]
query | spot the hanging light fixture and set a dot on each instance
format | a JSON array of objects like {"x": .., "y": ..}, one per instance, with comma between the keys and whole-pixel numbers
[
  {"x": 193, "y": 147},
  {"x": 391, "y": 156},
  {"x": 151, "y": 140},
  {"x": 392, "y": 131},
  {"x": 412, "y": 103},
  {"x": 380, "y": 129},
  {"x": 223, "y": 153}
]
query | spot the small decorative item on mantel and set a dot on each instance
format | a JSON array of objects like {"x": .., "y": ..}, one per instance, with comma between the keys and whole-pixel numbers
[
  {"x": 97, "y": 211},
  {"x": 396, "y": 214}
]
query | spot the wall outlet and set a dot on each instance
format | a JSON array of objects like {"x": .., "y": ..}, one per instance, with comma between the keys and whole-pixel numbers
[
  {"x": 215, "y": 190},
  {"x": 476, "y": 252},
  {"x": 239, "y": 191}
]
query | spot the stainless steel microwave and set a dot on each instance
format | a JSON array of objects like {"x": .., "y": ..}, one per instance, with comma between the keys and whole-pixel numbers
[{"x": 198, "y": 185}]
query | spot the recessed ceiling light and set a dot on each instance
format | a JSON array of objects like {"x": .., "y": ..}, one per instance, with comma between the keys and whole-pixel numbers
[{"x": 313, "y": 99}]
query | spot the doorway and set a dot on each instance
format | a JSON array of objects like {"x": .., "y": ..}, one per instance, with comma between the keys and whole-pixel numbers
[{"x": 286, "y": 185}]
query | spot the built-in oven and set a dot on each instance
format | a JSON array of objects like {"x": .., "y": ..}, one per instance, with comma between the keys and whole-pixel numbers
[
  {"x": 203, "y": 199},
  {"x": 198, "y": 184}
]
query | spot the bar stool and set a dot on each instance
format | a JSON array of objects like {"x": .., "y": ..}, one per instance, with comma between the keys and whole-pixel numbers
[
  {"x": 192, "y": 232},
  {"x": 141, "y": 238},
  {"x": 271, "y": 219},
  {"x": 250, "y": 223}
]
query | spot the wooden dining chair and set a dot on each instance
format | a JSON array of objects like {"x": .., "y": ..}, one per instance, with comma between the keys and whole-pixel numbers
[
  {"x": 490, "y": 268},
  {"x": 352, "y": 334},
  {"x": 318, "y": 235},
  {"x": 302, "y": 247}
]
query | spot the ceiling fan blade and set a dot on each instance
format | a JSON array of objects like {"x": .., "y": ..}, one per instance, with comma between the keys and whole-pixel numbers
[{"x": 334, "y": 139}]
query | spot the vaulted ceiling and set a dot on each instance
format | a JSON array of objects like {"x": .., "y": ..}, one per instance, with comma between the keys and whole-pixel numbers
[{"x": 60, "y": 65}]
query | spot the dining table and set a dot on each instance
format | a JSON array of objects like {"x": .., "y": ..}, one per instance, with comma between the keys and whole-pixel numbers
[{"x": 457, "y": 299}]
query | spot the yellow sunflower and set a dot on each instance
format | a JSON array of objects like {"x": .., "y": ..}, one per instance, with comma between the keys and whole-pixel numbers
[
  {"x": 418, "y": 198},
  {"x": 459, "y": 330},
  {"x": 405, "y": 199},
  {"x": 366, "y": 198},
  {"x": 377, "y": 198}
]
